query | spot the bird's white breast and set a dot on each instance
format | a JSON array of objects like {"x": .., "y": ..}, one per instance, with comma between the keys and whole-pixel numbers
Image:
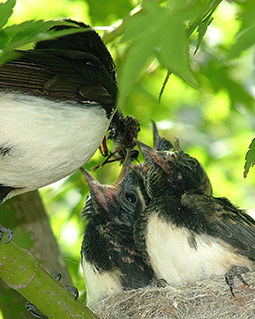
[
  {"x": 47, "y": 140},
  {"x": 173, "y": 259},
  {"x": 100, "y": 285}
]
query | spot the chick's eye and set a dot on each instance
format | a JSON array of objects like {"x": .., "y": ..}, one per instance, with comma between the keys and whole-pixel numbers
[{"x": 130, "y": 197}]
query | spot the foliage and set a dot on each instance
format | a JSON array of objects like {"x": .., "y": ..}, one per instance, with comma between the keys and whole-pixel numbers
[
  {"x": 249, "y": 158},
  {"x": 18, "y": 35},
  {"x": 208, "y": 101}
]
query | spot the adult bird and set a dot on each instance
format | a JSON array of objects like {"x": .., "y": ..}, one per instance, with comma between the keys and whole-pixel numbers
[
  {"x": 109, "y": 258},
  {"x": 57, "y": 101},
  {"x": 186, "y": 234}
]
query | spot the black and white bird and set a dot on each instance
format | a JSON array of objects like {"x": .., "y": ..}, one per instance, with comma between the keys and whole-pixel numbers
[
  {"x": 203, "y": 183},
  {"x": 57, "y": 101},
  {"x": 185, "y": 234},
  {"x": 109, "y": 258}
]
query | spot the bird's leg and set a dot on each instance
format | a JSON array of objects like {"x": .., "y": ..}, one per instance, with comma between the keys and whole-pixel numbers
[
  {"x": 107, "y": 160},
  {"x": 230, "y": 275},
  {"x": 33, "y": 310},
  {"x": 8, "y": 233},
  {"x": 104, "y": 149}
]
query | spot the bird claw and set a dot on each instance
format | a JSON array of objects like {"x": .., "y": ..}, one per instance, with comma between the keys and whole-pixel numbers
[
  {"x": 162, "y": 283},
  {"x": 33, "y": 310},
  {"x": 74, "y": 291},
  {"x": 8, "y": 233},
  {"x": 235, "y": 271}
]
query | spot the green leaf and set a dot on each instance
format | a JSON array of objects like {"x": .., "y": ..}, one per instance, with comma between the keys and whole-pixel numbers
[
  {"x": 7, "y": 56},
  {"x": 249, "y": 158},
  {"x": 6, "y": 10},
  {"x": 3, "y": 39},
  {"x": 159, "y": 32},
  {"x": 202, "y": 28},
  {"x": 243, "y": 42},
  {"x": 137, "y": 55},
  {"x": 18, "y": 35},
  {"x": 173, "y": 45},
  {"x": 100, "y": 13}
]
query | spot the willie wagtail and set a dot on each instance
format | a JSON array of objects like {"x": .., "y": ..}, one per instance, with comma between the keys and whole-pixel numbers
[
  {"x": 203, "y": 182},
  {"x": 185, "y": 234},
  {"x": 109, "y": 258},
  {"x": 57, "y": 101}
]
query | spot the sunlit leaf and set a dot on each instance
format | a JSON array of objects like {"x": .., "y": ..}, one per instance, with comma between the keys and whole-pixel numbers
[
  {"x": 202, "y": 30},
  {"x": 173, "y": 48},
  {"x": 114, "y": 10},
  {"x": 6, "y": 10},
  {"x": 244, "y": 41},
  {"x": 221, "y": 78},
  {"x": 158, "y": 32},
  {"x": 18, "y": 35},
  {"x": 249, "y": 158},
  {"x": 136, "y": 57}
]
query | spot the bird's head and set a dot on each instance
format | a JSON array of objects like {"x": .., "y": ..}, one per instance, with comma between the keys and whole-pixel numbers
[
  {"x": 173, "y": 169},
  {"x": 120, "y": 202}
]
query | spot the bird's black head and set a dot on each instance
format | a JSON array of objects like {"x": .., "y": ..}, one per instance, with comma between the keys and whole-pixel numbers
[
  {"x": 173, "y": 170},
  {"x": 121, "y": 202}
]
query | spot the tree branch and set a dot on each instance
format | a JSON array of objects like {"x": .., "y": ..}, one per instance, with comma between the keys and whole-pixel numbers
[{"x": 22, "y": 272}]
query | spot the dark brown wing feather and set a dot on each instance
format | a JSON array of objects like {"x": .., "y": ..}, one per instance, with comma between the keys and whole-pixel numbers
[
  {"x": 219, "y": 218},
  {"x": 73, "y": 67}
]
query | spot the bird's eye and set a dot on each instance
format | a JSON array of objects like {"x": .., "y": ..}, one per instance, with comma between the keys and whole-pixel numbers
[{"x": 130, "y": 197}]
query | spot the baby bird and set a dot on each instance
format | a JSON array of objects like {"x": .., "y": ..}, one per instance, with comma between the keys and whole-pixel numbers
[
  {"x": 185, "y": 234},
  {"x": 199, "y": 176},
  {"x": 109, "y": 258}
]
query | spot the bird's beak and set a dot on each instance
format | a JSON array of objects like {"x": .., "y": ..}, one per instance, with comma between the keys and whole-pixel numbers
[
  {"x": 164, "y": 160},
  {"x": 151, "y": 155},
  {"x": 156, "y": 137},
  {"x": 124, "y": 170},
  {"x": 159, "y": 142},
  {"x": 103, "y": 193}
]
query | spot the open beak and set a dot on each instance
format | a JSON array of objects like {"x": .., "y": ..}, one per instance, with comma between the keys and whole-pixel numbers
[
  {"x": 103, "y": 193},
  {"x": 163, "y": 159},
  {"x": 106, "y": 193}
]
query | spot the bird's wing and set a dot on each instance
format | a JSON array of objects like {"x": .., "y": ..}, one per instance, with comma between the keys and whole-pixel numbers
[
  {"x": 219, "y": 218},
  {"x": 62, "y": 75},
  {"x": 125, "y": 257}
]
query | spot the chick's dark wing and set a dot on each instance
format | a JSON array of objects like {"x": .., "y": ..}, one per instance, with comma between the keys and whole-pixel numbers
[
  {"x": 123, "y": 254},
  {"x": 219, "y": 218}
]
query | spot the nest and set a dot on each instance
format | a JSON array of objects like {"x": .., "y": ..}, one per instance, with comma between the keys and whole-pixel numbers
[{"x": 206, "y": 299}]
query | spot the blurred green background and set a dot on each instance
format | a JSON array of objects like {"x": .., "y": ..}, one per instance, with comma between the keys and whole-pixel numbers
[{"x": 215, "y": 123}]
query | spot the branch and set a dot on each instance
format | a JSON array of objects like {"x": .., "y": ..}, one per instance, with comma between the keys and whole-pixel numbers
[{"x": 21, "y": 271}]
